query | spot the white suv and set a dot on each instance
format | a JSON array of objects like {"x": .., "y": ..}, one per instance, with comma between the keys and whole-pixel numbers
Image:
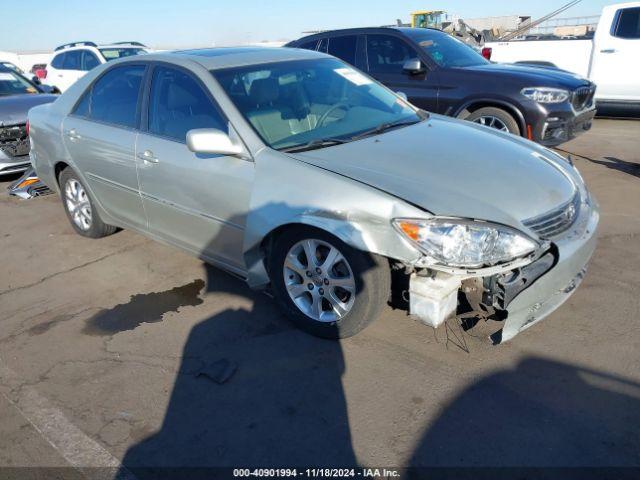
[{"x": 72, "y": 60}]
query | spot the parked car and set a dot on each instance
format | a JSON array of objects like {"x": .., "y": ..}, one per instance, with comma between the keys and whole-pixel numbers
[
  {"x": 11, "y": 66},
  {"x": 610, "y": 58},
  {"x": 441, "y": 74},
  {"x": 17, "y": 96},
  {"x": 73, "y": 60},
  {"x": 296, "y": 171}
]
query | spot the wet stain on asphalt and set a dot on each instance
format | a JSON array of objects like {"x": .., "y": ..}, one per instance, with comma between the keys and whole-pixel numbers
[
  {"x": 46, "y": 326},
  {"x": 144, "y": 308}
]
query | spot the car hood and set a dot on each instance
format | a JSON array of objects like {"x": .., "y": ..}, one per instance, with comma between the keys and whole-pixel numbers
[
  {"x": 14, "y": 108},
  {"x": 454, "y": 168},
  {"x": 532, "y": 76}
]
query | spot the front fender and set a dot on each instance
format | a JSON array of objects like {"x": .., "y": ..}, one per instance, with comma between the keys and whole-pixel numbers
[{"x": 288, "y": 191}]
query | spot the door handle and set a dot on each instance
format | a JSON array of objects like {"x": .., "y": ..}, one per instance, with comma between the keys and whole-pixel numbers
[
  {"x": 608, "y": 50},
  {"x": 148, "y": 156},
  {"x": 73, "y": 134}
]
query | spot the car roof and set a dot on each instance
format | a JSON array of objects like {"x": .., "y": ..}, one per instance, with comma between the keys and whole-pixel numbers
[
  {"x": 227, "y": 57},
  {"x": 94, "y": 47},
  {"x": 406, "y": 31}
]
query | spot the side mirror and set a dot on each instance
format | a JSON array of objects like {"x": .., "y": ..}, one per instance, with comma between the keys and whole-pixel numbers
[
  {"x": 212, "y": 141},
  {"x": 413, "y": 66},
  {"x": 36, "y": 80}
]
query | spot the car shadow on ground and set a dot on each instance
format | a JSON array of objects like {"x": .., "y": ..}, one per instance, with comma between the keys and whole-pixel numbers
[
  {"x": 624, "y": 166},
  {"x": 252, "y": 391},
  {"x": 542, "y": 413},
  {"x": 614, "y": 163}
]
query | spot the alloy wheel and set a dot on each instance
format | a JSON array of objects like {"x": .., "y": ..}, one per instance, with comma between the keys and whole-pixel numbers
[
  {"x": 78, "y": 204},
  {"x": 319, "y": 280}
]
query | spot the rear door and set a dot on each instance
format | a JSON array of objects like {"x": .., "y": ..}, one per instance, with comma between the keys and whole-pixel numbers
[
  {"x": 196, "y": 201},
  {"x": 348, "y": 48},
  {"x": 71, "y": 70},
  {"x": 386, "y": 55},
  {"x": 100, "y": 135},
  {"x": 615, "y": 69}
]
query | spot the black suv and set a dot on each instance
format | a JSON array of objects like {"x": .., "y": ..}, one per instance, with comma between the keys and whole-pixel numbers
[{"x": 441, "y": 74}]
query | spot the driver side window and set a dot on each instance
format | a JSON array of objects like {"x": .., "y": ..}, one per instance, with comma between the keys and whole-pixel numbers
[
  {"x": 177, "y": 104},
  {"x": 387, "y": 54}
]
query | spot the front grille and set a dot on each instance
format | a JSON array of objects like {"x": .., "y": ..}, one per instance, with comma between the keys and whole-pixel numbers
[
  {"x": 583, "y": 97},
  {"x": 14, "y": 141},
  {"x": 553, "y": 223}
]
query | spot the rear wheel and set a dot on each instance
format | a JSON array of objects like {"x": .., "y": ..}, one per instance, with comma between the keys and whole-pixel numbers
[
  {"x": 83, "y": 216},
  {"x": 495, "y": 118},
  {"x": 326, "y": 287}
]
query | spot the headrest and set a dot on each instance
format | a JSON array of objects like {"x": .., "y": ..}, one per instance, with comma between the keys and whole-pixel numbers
[{"x": 264, "y": 90}]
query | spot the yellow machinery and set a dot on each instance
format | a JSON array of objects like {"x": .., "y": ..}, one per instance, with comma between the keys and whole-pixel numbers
[{"x": 428, "y": 19}]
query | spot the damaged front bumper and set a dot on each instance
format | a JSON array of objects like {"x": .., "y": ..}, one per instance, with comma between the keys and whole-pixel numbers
[
  {"x": 520, "y": 295},
  {"x": 548, "y": 292}
]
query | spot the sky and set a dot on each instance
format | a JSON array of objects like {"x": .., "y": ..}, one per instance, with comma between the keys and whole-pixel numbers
[{"x": 201, "y": 23}]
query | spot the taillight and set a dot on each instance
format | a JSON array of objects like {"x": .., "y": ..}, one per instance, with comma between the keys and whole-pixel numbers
[
  {"x": 26, "y": 127},
  {"x": 41, "y": 73},
  {"x": 486, "y": 52}
]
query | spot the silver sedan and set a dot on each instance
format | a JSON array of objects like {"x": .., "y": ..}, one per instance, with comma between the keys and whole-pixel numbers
[{"x": 305, "y": 176}]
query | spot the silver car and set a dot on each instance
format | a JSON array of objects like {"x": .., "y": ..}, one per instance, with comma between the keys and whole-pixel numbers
[{"x": 303, "y": 175}]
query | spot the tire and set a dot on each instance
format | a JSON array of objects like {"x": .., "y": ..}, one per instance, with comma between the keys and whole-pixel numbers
[
  {"x": 343, "y": 311},
  {"x": 85, "y": 218},
  {"x": 502, "y": 120}
]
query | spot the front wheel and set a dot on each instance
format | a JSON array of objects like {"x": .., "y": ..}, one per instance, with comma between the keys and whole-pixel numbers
[
  {"x": 326, "y": 287},
  {"x": 495, "y": 118}
]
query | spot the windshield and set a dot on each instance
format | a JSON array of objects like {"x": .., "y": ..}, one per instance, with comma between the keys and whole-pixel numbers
[
  {"x": 13, "y": 84},
  {"x": 299, "y": 102},
  {"x": 114, "y": 53},
  {"x": 447, "y": 51}
]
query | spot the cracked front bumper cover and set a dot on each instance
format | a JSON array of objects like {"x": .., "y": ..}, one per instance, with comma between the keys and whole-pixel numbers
[{"x": 554, "y": 287}]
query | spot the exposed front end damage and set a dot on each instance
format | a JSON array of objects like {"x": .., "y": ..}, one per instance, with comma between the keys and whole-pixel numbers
[{"x": 516, "y": 297}]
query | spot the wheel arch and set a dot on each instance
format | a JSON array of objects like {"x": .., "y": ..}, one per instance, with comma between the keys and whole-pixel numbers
[
  {"x": 472, "y": 105},
  {"x": 347, "y": 232},
  {"x": 57, "y": 170}
]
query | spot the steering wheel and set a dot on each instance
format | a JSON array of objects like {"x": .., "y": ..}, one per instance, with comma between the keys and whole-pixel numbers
[{"x": 338, "y": 106}]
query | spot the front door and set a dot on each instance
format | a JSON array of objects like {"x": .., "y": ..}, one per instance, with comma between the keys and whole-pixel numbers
[
  {"x": 100, "y": 135},
  {"x": 196, "y": 201},
  {"x": 386, "y": 55}
]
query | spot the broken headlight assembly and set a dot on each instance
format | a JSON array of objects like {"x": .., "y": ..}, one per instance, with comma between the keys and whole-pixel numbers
[
  {"x": 461, "y": 243},
  {"x": 545, "y": 94}
]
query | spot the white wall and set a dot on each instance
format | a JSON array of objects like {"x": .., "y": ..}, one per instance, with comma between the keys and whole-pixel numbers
[{"x": 26, "y": 60}]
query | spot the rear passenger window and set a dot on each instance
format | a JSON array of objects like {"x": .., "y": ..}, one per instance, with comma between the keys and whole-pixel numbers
[
  {"x": 323, "y": 45},
  {"x": 114, "y": 97},
  {"x": 309, "y": 45},
  {"x": 82, "y": 107},
  {"x": 72, "y": 60},
  {"x": 344, "y": 48},
  {"x": 387, "y": 54},
  {"x": 178, "y": 103},
  {"x": 628, "y": 25},
  {"x": 89, "y": 61},
  {"x": 58, "y": 61}
]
